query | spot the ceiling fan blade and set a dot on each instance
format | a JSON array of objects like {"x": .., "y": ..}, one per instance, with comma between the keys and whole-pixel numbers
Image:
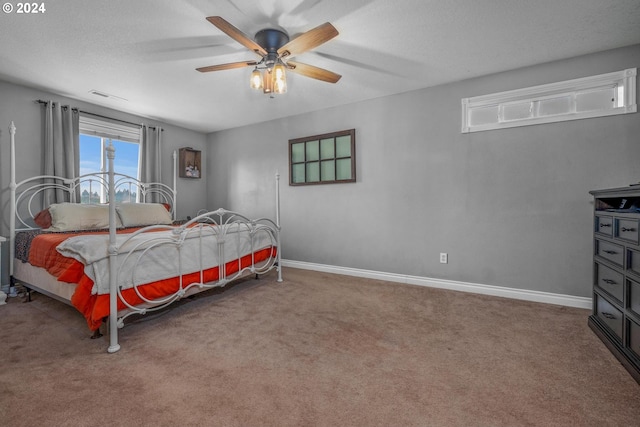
[
  {"x": 228, "y": 66},
  {"x": 313, "y": 72},
  {"x": 309, "y": 40},
  {"x": 236, "y": 34}
]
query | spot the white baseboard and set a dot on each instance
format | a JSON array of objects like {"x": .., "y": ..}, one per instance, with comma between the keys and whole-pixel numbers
[{"x": 499, "y": 291}]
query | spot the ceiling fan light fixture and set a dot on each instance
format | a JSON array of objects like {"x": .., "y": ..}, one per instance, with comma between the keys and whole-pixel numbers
[
  {"x": 274, "y": 45},
  {"x": 256, "y": 79},
  {"x": 279, "y": 78}
]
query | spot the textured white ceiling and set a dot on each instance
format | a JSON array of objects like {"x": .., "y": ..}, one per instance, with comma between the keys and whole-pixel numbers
[{"x": 146, "y": 51}]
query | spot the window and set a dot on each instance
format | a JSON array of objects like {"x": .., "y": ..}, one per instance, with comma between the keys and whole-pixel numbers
[
  {"x": 595, "y": 96},
  {"x": 323, "y": 159},
  {"x": 95, "y": 136}
]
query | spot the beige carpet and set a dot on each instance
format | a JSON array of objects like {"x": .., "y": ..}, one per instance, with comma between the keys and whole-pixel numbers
[{"x": 315, "y": 350}]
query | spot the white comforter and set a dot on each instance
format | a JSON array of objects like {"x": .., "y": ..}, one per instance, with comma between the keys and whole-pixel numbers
[{"x": 156, "y": 255}]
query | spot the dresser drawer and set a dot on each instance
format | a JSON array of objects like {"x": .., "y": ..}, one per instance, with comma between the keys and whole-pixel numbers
[
  {"x": 610, "y": 281},
  {"x": 634, "y": 296},
  {"x": 633, "y": 261},
  {"x": 610, "y": 251},
  {"x": 609, "y": 315},
  {"x": 604, "y": 225},
  {"x": 634, "y": 337},
  {"x": 627, "y": 229}
]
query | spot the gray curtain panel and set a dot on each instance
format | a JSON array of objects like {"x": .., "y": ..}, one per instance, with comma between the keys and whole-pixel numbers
[
  {"x": 61, "y": 147},
  {"x": 150, "y": 158}
]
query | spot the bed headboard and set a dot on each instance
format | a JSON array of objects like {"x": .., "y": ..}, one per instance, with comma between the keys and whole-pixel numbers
[{"x": 29, "y": 196}]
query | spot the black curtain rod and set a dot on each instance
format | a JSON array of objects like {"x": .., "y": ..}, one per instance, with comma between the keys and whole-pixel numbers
[{"x": 40, "y": 101}]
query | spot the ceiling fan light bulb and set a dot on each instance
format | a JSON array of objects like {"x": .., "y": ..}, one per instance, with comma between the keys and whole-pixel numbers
[
  {"x": 256, "y": 79},
  {"x": 279, "y": 78},
  {"x": 278, "y": 71},
  {"x": 280, "y": 86}
]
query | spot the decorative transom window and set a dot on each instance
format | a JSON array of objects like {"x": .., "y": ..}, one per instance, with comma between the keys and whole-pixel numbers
[
  {"x": 323, "y": 159},
  {"x": 595, "y": 96}
]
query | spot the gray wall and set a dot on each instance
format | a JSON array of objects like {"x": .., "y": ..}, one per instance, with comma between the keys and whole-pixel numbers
[
  {"x": 510, "y": 207},
  {"x": 17, "y": 104}
]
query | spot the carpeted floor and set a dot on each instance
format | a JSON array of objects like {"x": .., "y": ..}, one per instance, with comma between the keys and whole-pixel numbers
[{"x": 315, "y": 350}]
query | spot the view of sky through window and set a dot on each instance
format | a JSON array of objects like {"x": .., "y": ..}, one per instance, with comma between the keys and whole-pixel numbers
[
  {"x": 125, "y": 162},
  {"x": 91, "y": 157}
]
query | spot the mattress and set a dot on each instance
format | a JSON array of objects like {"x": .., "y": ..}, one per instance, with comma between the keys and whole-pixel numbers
[{"x": 72, "y": 279}]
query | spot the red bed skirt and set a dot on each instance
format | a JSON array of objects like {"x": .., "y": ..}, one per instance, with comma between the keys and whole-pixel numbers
[{"x": 96, "y": 307}]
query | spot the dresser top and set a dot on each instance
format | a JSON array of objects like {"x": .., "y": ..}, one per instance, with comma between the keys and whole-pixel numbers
[{"x": 628, "y": 191}]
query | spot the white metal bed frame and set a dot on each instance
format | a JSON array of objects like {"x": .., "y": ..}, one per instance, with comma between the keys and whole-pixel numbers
[{"x": 218, "y": 223}]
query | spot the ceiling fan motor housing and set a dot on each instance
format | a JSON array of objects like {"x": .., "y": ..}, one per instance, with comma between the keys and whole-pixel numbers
[{"x": 271, "y": 40}]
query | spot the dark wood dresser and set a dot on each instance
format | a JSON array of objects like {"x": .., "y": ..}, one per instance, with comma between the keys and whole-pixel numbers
[{"x": 616, "y": 273}]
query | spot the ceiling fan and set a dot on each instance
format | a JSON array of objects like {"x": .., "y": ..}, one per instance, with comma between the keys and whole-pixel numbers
[{"x": 275, "y": 49}]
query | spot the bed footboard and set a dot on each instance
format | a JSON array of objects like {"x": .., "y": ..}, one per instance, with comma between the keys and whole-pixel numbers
[{"x": 209, "y": 251}]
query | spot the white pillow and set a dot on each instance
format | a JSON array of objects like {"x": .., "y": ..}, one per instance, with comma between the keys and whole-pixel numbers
[
  {"x": 76, "y": 216},
  {"x": 139, "y": 214}
]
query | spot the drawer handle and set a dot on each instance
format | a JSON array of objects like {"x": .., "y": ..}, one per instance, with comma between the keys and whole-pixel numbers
[
  {"x": 610, "y": 252},
  {"x": 608, "y": 315},
  {"x": 628, "y": 229},
  {"x": 609, "y": 281},
  {"x": 605, "y": 225}
]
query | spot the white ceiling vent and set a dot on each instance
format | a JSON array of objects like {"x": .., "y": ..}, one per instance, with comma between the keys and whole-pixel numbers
[{"x": 106, "y": 95}]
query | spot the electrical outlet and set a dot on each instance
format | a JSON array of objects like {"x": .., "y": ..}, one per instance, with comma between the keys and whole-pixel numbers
[{"x": 444, "y": 258}]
